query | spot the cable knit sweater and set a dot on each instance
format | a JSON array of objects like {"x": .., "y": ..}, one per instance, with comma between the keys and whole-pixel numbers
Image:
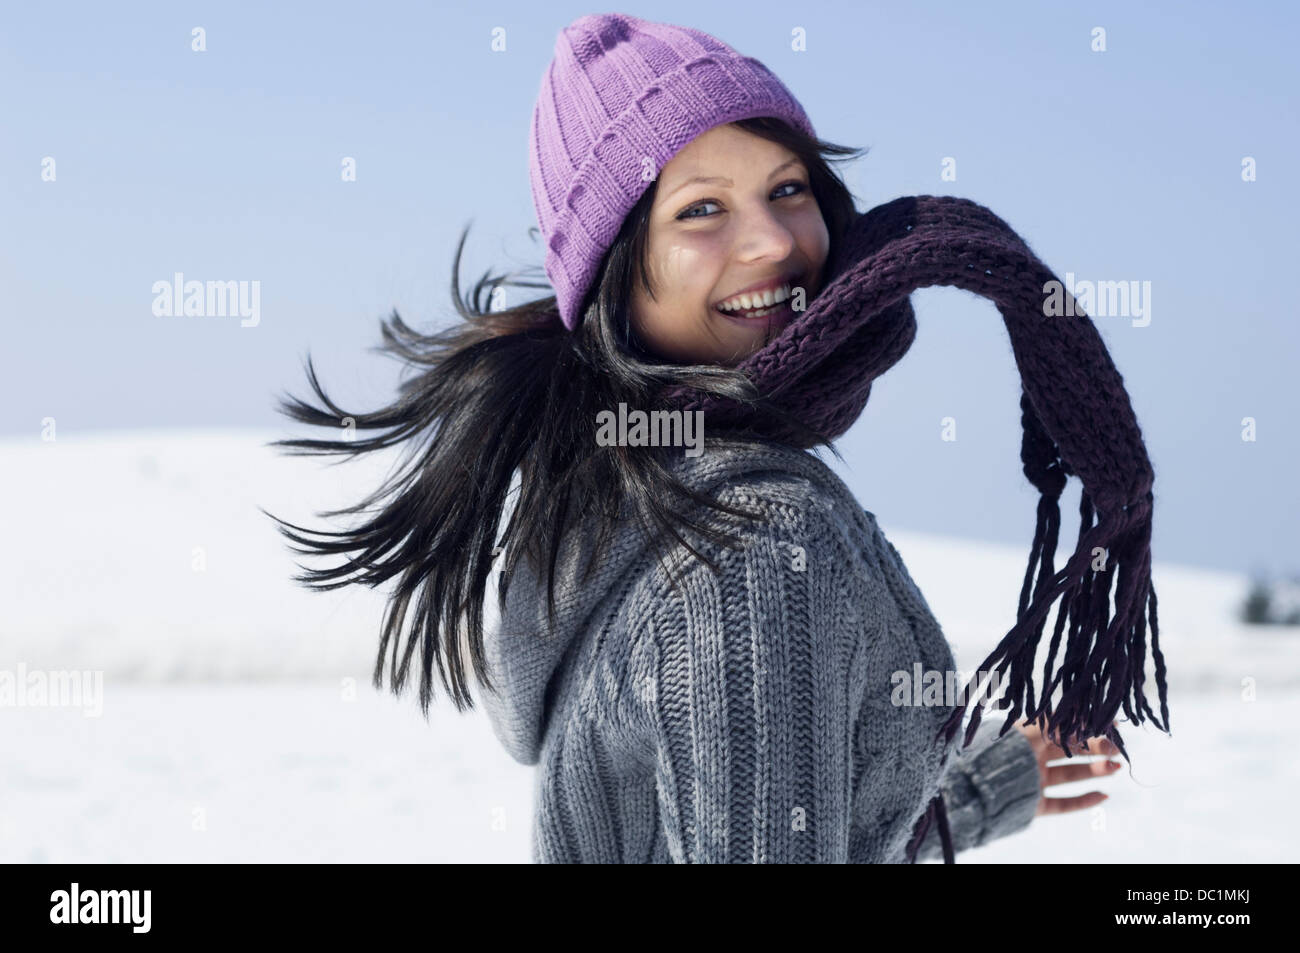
[{"x": 750, "y": 716}]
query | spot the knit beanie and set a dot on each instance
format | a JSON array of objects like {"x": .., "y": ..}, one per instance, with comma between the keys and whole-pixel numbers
[
  {"x": 627, "y": 90},
  {"x": 621, "y": 97}
]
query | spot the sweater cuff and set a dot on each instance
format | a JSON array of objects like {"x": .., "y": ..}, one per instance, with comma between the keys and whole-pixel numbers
[
  {"x": 990, "y": 790},
  {"x": 1004, "y": 772}
]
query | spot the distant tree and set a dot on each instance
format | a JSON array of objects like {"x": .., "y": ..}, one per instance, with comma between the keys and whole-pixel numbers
[{"x": 1257, "y": 608}]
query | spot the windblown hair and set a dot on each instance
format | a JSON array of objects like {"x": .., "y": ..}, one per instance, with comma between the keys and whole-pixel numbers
[{"x": 513, "y": 392}]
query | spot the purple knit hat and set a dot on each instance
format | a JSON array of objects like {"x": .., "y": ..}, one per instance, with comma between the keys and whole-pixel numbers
[{"x": 621, "y": 97}]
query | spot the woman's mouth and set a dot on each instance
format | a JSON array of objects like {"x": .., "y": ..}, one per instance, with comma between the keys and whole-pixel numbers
[{"x": 779, "y": 310}]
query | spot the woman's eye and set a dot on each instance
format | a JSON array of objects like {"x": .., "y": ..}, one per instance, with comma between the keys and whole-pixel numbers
[
  {"x": 695, "y": 208},
  {"x": 796, "y": 185}
]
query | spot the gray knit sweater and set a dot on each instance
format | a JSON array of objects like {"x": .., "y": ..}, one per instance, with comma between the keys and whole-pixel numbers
[{"x": 750, "y": 716}]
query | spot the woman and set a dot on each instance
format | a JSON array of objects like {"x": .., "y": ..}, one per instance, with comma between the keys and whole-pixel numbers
[{"x": 699, "y": 646}]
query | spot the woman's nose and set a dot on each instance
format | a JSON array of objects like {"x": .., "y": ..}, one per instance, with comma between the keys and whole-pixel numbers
[{"x": 764, "y": 235}]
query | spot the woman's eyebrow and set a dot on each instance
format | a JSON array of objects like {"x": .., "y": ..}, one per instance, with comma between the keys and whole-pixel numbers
[{"x": 723, "y": 180}]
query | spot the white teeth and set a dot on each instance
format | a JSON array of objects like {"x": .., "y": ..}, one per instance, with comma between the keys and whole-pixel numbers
[{"x": 746, "y": 302}]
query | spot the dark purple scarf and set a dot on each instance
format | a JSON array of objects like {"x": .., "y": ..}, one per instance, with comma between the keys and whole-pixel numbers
[{"x": 1077, "y": 421}]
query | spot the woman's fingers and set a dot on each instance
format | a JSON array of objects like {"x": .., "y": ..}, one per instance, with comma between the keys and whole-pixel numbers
[
  {"x": 1102, "y": 745},
  {"x": 1075, "y": 769},
  {"x": 1062, "y": 805},
  {"x": 1063, "y": 774}
]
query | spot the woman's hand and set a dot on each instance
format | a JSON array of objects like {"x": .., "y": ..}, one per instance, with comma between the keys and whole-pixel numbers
[{"x": 1073, "y": 771}]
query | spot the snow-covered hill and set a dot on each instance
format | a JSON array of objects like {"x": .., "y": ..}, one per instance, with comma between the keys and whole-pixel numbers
[{"x": 143, "y": 556}]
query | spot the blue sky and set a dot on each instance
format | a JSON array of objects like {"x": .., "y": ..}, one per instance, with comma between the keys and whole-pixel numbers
[{"x": 225, "y": 164}]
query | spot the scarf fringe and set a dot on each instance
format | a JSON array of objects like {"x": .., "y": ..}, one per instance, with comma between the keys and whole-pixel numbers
[
  {"x": 935, "y": 811},
  {"x": 1107, "y": 652}
]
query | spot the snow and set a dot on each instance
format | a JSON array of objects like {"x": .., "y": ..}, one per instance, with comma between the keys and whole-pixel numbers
[{"x": 239, "y": 723}]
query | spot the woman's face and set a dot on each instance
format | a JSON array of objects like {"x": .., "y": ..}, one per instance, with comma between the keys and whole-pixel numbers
[{"x": 754, "y": 223}]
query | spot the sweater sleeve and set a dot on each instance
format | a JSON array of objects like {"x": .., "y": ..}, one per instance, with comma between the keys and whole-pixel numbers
[
  {"x": 990, "y": 789},
  {"x": 750, "y": 712}
]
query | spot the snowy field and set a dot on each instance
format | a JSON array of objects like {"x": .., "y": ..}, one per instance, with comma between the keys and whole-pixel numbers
[{"x": 237, "y": 721}]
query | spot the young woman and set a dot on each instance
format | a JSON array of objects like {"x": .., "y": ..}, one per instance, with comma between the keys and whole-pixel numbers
[{"x": 703, "y": 645}]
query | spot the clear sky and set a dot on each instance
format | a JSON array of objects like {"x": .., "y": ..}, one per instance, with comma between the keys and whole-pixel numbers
[{"x": 225, "y": 164}]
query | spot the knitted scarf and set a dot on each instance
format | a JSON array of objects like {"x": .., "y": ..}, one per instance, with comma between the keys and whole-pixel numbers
[{"x": 1077, "y": 421}]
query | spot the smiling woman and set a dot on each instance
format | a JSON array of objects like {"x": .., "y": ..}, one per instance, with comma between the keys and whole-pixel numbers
[
  {"x": 737, "y": 242},
  {"x": 694, "y": 648}
]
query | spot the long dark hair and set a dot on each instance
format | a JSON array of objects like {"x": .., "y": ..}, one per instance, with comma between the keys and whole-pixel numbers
[{"x": 511, "y": 391}]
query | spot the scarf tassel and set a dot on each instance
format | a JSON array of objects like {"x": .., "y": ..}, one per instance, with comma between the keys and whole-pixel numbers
[
  {"x": 935, "y": 812},
  {"x": 1108, "y": 653},
  {"x": 1113, "y": 648}
]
